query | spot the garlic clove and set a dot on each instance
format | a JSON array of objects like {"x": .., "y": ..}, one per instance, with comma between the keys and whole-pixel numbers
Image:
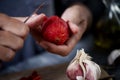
[
  {"x": 79, "y": 78},
  {"x": 113, "y": 56},
  {"x": 82, "y": 68},
  {"x": 93, "y": 71},
  {"x": 73, "y": 70}
]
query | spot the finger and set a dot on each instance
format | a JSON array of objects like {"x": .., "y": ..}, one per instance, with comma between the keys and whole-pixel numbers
[
  {"x": 62, "y": 50},
  {"x": 36, "y": 34},
  {"x": 35, "y": 25},
  {"x": 14, "y": 26},
  {"x": 6, "y": 54},
  {"x": 9, "y": 40},
  {"x": 74, "y": 28},
  {"x": 74, "y": 39},
  {"x": 36, "y": 20}
]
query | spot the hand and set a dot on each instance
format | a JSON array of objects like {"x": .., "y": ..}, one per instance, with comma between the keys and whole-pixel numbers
[
  {"x": 35, "y": 24},
  {"x": 79, "y": 19},
  {"x": 65, "y": 49},
  {"x": 12, "y": 36}
]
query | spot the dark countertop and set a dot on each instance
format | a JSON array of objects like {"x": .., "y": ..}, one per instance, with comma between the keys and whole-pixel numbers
[
  {"x": 100, "y": 56},
  {"x": 55, "y": 72}
]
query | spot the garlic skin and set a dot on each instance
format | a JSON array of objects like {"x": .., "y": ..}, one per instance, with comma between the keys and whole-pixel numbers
[
  {"x": 79, "y": 78},
  {"x": 82, "y": 68},
  {"x": 74, "y": 70}
]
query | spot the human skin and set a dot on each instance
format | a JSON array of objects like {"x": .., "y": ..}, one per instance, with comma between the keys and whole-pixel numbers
[
  {"x": 13, "y": 31},
  {"x": 79, "y": 18},
  {"x": 12, "y": 35}
]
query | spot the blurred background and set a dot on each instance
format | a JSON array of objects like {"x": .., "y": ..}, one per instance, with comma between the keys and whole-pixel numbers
[{"x": 98, "y": 42}]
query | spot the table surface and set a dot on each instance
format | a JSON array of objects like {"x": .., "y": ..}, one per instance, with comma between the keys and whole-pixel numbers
[
  {"x": 100, "y": 56},
  {"x": 56, "y": 72}
]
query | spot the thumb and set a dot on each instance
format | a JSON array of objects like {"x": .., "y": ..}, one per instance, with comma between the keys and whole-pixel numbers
[
  {"x": 74, "y": 28},
  {"x": 36, "y": 20}
]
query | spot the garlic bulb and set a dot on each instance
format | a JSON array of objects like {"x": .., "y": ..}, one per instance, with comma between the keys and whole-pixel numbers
[{"x": 82, "y": 68}]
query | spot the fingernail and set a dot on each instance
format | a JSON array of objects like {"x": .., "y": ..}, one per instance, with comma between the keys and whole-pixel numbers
[{"x": 9, "y": 56}]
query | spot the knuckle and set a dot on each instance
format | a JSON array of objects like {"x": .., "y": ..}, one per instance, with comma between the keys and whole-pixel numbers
[
  {"x": 10, "y": 55},
  {"x": 64, "y": 54},
  {"x": 2, "y": 15},
  {"x": 3, "y": 19},
  {"x": 19, "y": 44},
  {"x": 24, "y": 31},
  {"x": 3, "y": 34},
  {"x": 61, "y": 53},
  {"x": 14, "y": 42},
  {"x": 19, "y": 28}
]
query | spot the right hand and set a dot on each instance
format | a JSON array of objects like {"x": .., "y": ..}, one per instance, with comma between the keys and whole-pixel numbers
[{"x": 12, "y": 35}]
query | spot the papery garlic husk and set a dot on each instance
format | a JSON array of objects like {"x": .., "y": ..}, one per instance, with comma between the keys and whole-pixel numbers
[{"x": 82, "y": 68}]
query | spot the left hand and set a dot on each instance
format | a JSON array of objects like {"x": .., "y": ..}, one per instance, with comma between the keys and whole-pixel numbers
[{"x": 79, "y": 18}]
